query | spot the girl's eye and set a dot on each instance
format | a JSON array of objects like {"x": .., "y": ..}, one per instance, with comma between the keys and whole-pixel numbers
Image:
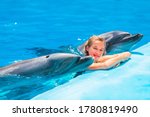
[
  {"x": 95, "y": 48},
  {"x": 100, "y": 50}
]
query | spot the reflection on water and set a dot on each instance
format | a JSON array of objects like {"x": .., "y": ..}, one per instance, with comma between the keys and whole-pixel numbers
[{"x": 18, "y": 87}]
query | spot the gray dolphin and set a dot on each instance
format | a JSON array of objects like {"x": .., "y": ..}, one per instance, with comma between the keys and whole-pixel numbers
[
  {"x": 53, "y": 64},
  {"x": 118, "y": 41}
]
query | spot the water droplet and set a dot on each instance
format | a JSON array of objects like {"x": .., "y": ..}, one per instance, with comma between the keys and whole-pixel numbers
[
  {"x": 15, "y": 23},
  {"x": 79, "y": 39}
]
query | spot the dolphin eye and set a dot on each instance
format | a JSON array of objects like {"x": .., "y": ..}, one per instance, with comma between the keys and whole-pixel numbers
[{"x": 47, "y": 56}]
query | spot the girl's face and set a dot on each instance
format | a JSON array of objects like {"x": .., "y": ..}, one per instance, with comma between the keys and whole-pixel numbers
[{"x": 97, "y": 49}]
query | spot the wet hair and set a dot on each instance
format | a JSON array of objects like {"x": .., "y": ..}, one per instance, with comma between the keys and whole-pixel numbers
[{"x": 90, "y": 42}]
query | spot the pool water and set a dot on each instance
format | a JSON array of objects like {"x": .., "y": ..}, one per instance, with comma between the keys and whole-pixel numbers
[{"x": 26, "y": 25}]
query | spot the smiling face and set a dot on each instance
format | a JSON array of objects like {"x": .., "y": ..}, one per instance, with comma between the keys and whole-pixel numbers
[{"x": 95, "y": 47}]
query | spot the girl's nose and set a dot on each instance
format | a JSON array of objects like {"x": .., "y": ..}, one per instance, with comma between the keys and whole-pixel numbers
[{"x": 98, "y": 52}]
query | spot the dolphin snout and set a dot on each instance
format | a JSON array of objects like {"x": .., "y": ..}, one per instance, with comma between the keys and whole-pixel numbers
[
  {"x": 86, "y": 59},
  {"x": 139, "y": 35},
  {"x": 75, "y": 59}
]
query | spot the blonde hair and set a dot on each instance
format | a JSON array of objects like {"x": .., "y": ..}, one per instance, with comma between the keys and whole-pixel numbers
[{"x": 91, "y": 40}]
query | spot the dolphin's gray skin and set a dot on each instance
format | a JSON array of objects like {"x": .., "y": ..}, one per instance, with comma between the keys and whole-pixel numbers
[
  {"x": 53, "y": 64},
  {"x": 118, "y": 41}
]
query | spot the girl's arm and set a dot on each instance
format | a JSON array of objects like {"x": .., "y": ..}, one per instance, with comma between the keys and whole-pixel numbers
[
  {"x": 106, "y": 57},
  {"x": 109, "y": 63}
]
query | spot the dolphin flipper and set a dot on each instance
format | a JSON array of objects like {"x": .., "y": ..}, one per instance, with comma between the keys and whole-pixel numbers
[{"x": 40, "y": 51}]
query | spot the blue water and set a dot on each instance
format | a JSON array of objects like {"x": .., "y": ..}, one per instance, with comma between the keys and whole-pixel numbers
[{"x": 50, "y": 24}]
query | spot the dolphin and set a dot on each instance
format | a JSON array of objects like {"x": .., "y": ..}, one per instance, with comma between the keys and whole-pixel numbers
[
  {"x": 52, "y": 64},
  {"x": 117, "y": 41}
]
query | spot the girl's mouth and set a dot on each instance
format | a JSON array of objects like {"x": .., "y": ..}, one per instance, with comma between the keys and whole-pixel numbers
[{"x": 95, "y": 56}]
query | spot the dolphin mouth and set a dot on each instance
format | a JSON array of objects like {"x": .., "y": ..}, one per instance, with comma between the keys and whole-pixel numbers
[
  {"x": 132, "y": 38},
  {"x": 139, "y": 35}
]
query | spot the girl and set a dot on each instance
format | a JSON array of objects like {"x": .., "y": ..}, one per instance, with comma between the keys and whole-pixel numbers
[{"x": 95, "y": 47}]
